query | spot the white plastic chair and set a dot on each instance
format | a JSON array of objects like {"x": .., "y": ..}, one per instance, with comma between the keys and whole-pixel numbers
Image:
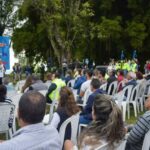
[
  {"x": 103, "y": 147},
  {"x": 133, "y": 100},
  {"x": 43, "y": 92},
  {"x": 87, "y": 93},
  {"x": 124, "y": 103},
  {"x": 71, "y": 82},
  {"x": 48, "y": 117},
  {"x": 112, "y": 88},
  {"x": 103, "y": 86},
  {"x": 141, "y": 94},
  {"x": 6, "y": 111},
  {"x": 74, "y": 121},
  {"x": 15, "y": 100},
  {"x": 146, "y": 143},
  {"x": 80, "y": 128},
  {"x": 118, "y": 85}
]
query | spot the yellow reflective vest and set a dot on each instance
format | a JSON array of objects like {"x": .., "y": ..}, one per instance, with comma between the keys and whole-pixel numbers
[{"x": 54, "y": 95}]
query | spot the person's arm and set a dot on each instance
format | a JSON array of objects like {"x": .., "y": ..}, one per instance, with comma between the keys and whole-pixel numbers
[
  {"x": 83, "y": 89},
  {"x": 52, "y": 88},
  {"x": 55, "y": 121},
  {"x": 138, "y": 132}
]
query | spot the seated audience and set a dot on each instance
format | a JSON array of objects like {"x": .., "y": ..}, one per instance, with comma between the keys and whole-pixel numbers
[
  {"x": 139, "y": 77},
  {"x": 66, "y": 108},
  {"x": 86, "y": 84},
  {"x": 68, "y": 76},
  {"x": 112, "y": 78},
  {"x": 27, "y": 84},
  {"x": 130, "y": 79},
  {"x": 102, "y": 74},
  {"x": 3, "y": 94},
  {"x": 37, "y": 84},
  {"x": 120, "y": 78},
  {"x": 137, "y": 134},
  {"x": 32, "y": 134},
  {"x": 79, "y": 80},
  {"x": 53, "y": 91},
  {"x": 86, "y": 115},
  {"x": 107, "y": 125}
]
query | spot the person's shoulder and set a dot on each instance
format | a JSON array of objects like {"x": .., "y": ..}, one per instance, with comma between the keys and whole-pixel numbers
[{"x": 146, "y": 115}]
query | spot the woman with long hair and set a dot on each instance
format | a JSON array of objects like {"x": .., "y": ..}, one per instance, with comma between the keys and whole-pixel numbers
[
  {"x": 107, "y": 125},
  {"x": 66, "y": 108}
]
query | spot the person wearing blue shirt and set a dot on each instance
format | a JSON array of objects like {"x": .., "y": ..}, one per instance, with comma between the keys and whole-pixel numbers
[{"x": 86, "y": 115}]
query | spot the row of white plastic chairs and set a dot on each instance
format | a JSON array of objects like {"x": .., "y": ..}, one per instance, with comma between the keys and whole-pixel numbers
[{"x": 135, "y": 95}]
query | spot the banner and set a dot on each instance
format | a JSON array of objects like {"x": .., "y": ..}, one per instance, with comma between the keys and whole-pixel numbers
[{"x": 4, "y": 51}]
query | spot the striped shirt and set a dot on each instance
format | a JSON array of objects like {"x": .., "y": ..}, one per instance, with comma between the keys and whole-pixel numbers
[{"x": 136, "y": 137}]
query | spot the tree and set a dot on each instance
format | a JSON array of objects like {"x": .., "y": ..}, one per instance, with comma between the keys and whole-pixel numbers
[
  {"x": 7, "y": 17},
  {"x": 56, "y": 25}
]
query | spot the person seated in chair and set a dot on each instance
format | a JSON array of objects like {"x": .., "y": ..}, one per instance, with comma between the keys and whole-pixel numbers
[
  {"x": 32, "y": 134},
  {"x": 67, "y": 107},
  {"x": 130, "y": 79},
  {"x": 37, "y": 84},
  {"x": 3, "y": 95},
  {"x": 112, "y": 78},
  {"x": 86, "y": 115},
  {"x": 53, "y": 91},
  {"x": 137, "y": 134}
]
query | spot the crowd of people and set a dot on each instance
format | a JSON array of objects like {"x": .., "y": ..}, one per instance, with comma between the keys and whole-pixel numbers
[{"x": 101, "y": 113}]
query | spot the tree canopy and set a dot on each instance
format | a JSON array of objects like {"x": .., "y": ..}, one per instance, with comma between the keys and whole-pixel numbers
[
  {"x": 7, "y": 17},
  {"x": 72, "y": 29}
]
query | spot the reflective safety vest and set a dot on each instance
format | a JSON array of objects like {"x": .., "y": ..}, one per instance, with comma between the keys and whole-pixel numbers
[
  {"x": 118, "y": 66},
  {"x": 106, "y": 76},
  {"x": 54, "y": 95},
  {"x": 134, "y": 67}
]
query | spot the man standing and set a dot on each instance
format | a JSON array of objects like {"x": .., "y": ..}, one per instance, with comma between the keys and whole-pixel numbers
[{"x": 33, "y": 134}]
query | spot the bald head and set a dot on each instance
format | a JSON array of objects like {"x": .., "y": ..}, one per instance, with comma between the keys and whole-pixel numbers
[{"x": 32, "y": 107}]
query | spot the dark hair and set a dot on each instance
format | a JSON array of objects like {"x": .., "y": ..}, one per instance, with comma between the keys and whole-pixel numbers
[
  {"x": 3, "y": 92},
  {"x": 121, "y": 72},
  {"x": 139, "y": 75},
  {"x": 57, "y": 74},
  {"x": 113, "y": 72},
  {"x": 49, "y": 76},
  {"x": 32, "y": 106},
  {"x": 89, "y": 73},
  {"x": 102, "y": 72},
  {"x": 108, "y": 123},
  {"x": 95, "y": 83},
  {"x": 67, "y": 101}
]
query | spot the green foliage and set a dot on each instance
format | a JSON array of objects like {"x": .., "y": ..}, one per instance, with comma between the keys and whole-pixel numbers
[
  {"x": 77, "y": 29},
  {"x": 7, "y": 17}
]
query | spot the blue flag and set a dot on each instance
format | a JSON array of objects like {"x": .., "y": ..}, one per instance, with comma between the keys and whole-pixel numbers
[
  {"x": 134, "y": 54},
  {"x": 4, "y": 51},
  {"x": 122, "y": 55}
]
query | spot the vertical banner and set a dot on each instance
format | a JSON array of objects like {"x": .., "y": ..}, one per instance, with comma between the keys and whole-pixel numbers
[{"x": 4, "y": 51}]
